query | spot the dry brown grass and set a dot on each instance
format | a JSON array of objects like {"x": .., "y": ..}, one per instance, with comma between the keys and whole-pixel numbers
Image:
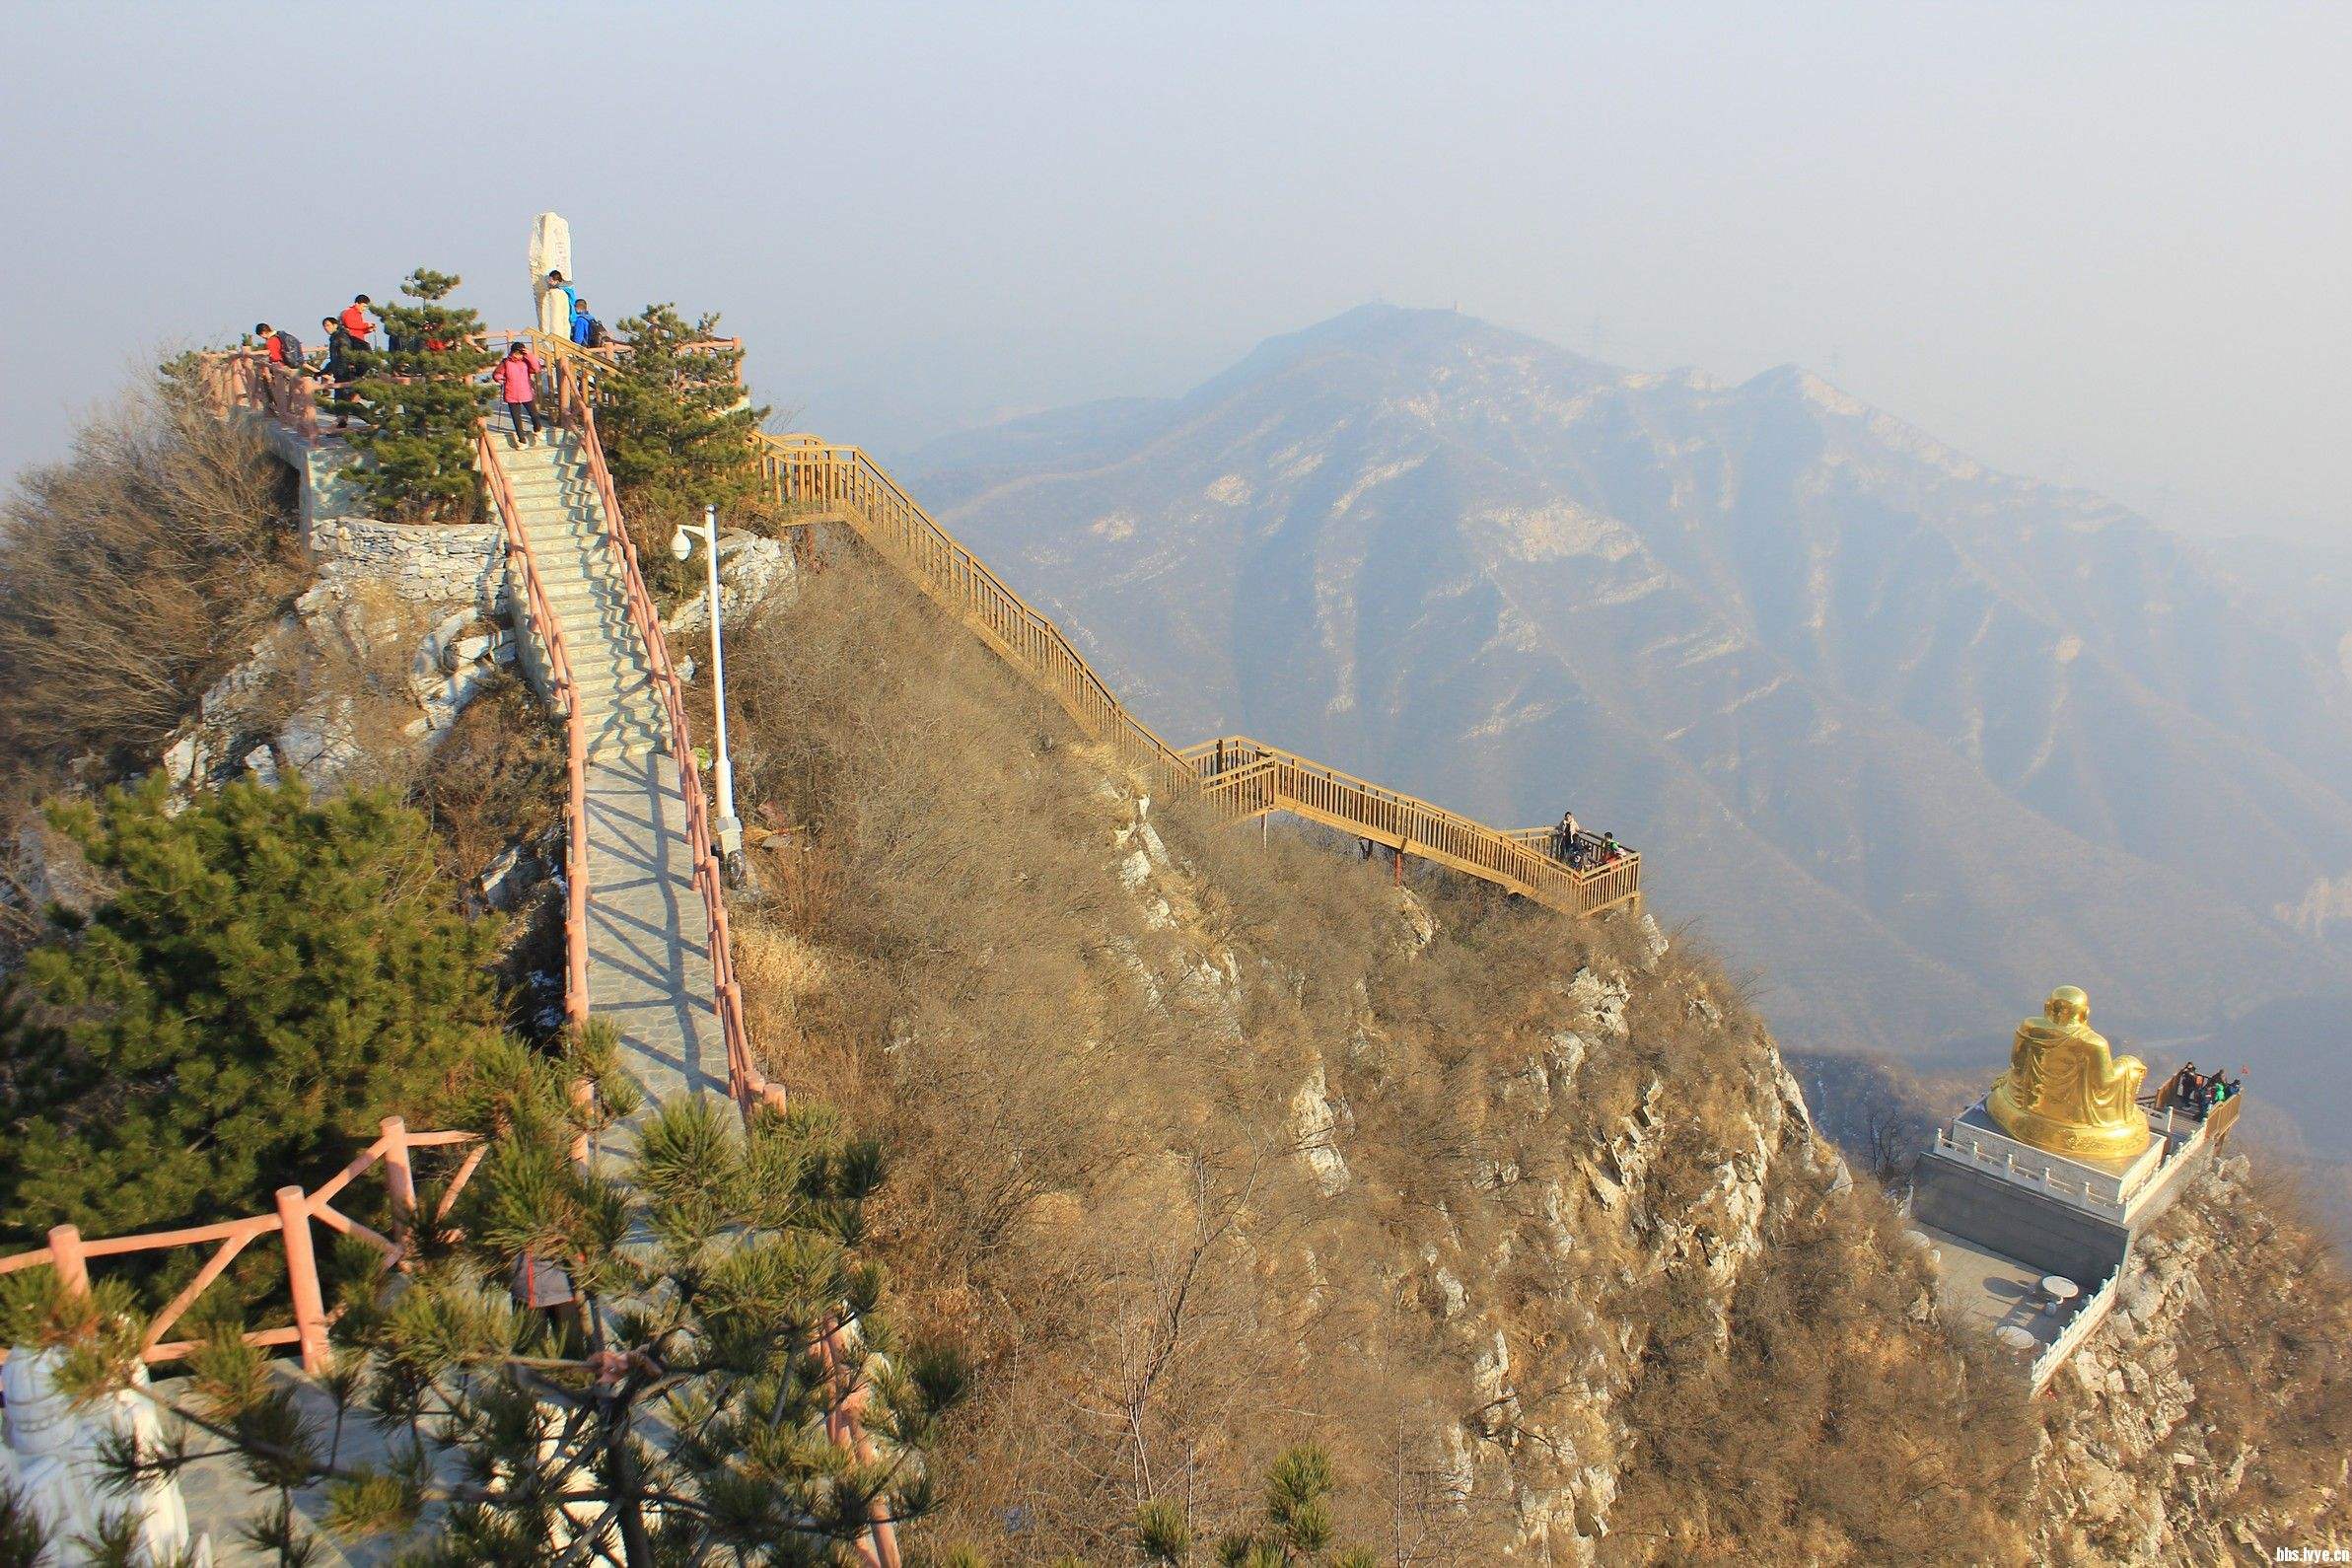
[
  {"x": 1099, "y": 1182},
  {"x": 131, "y": 576}
]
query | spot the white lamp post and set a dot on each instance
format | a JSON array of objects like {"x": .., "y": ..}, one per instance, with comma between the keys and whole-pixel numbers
[{"x": 730, "y": 830}]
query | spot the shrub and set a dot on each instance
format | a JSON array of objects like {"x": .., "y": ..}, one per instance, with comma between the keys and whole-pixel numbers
[
  {"x": 268, "y": 977},
  {"x": 131, "y": 576},
  {"x": 665, "y": 1399}
]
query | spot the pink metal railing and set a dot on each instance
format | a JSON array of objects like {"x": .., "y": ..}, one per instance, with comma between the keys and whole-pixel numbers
[
  {"x": 70, "y": 1254},
  {"x": 566, "y": 691}
]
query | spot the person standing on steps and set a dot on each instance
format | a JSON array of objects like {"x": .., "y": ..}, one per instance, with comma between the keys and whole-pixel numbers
[
  {"x": 517, "y": 379},
  {"x": 584, "y": 325}
]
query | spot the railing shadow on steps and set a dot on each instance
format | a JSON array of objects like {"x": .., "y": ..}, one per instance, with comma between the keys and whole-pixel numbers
[
  {"x": 1240, "y": 776},
  {"x": 539, "y": 614},
  {"x": 574, "y": 384}
]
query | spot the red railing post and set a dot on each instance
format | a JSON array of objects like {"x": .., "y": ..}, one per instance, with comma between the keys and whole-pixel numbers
[
  {"x": 65, "y": 1255},
  {"x": 302, "y": 1280},
  {"x": 400, "y": 1177}
]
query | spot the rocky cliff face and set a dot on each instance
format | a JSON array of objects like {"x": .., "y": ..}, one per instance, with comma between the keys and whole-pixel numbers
[
  {"x": 2206, "y": 1420},
  {"x": 1209, "y": 1142},
  {"x": 1911, "y": 734}
]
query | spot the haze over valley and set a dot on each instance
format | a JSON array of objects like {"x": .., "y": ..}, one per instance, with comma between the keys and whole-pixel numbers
[{"x": 1913, "y": 737}]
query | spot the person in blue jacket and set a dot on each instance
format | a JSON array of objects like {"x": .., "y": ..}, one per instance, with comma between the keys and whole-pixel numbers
[{"x": 584, "y": 325}]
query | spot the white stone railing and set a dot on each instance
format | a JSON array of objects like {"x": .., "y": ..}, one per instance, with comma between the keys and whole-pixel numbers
[
  {"x": 2088, "y": 1316},
  {"x": 2080, "y": 1194}
]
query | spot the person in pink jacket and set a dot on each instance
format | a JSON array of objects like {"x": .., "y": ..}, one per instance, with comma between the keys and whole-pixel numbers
[{"x": 517, "y": 379}]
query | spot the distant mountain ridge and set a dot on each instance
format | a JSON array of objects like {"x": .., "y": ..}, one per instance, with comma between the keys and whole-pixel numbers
[{"x": 1917, "y": 738}]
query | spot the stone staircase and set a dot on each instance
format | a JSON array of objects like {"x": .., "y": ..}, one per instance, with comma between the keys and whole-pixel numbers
[
  {"x": 648, "y": 936},
  {"x": 564, "y": 519}
]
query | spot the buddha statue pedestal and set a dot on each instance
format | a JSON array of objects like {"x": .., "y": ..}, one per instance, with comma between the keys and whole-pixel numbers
[{"x": 2031, "y": 1198}]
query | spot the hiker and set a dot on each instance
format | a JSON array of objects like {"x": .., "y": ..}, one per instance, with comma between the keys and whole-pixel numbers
[
  {"x": 283, "y": 348},
  {"x": 1608, "y": 848},
  {"x": 557, "y": 284},
  {"x": 341, "y": 369},
  {"x": 356, "y": 320},
  {"x": 584, "y": 325},
  {"x": 1563, "y": 838},
  {"x": 517, "y": 379}
]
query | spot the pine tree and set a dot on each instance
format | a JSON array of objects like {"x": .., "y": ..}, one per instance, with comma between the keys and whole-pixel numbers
[
  {"x": 674, "y": 1410},
  {"x": 1298, "y": 1529},
  {"x": 678, "y": 427},
  {"x": 421, "y": 402},
  {"x": 270, "y": 976}
]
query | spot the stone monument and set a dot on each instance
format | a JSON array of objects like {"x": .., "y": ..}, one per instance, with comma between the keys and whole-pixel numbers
[{"x": 552, "y": 252}]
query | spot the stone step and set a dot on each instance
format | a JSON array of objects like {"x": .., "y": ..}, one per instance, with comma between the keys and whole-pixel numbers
[{"x": 580, "y": 567}]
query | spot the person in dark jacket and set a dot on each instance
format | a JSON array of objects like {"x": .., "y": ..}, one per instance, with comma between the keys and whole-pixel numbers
[{"x": 341, "y": 367}]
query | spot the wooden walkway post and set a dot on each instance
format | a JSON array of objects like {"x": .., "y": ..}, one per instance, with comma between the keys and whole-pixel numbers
[
  {"x": 302, "y": 1280},
  {"x": 400, "y": 1177},
  {"x": 65, "y": 1254}
]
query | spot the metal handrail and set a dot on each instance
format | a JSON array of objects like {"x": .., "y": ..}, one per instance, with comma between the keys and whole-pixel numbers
[{"x": 566, "y": 691}]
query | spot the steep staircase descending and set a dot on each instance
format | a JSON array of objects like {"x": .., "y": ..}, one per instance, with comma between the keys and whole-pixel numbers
[{"x": 649, "y": 961}]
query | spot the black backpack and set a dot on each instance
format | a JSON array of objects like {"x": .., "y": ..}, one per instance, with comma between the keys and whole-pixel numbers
[
  {"x": 596, "y": 337},
  {"x": 290, "y": 347}
]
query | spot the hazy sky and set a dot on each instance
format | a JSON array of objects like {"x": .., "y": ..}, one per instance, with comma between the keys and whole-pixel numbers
[{"x": 2100, "y": 243}]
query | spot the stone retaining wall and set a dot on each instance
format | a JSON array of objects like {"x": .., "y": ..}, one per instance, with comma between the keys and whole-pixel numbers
[{"x": 426, "y": 563}]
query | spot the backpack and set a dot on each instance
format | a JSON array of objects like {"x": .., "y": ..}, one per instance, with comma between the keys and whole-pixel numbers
[
  {"x": 597, "y": 337},
  {"x": 291, "y": 347}
]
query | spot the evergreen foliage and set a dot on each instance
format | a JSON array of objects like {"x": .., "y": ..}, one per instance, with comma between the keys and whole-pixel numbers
[
  {"x": 1297, "y": 1532},
  {"x": 678, "y": 428},
  {"x": 270, "y": 976},
  {"x": 673, "y": 1411},
  {"x": 422, "y": 402}
]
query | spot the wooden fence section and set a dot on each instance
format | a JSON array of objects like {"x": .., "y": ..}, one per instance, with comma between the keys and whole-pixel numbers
[
  {"x": 71, "y": 1255},
  {"x": 1243, "y": 776}
]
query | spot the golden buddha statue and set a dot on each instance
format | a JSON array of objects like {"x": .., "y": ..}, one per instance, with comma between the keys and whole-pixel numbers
[{"x": 2064, "y": 1093}]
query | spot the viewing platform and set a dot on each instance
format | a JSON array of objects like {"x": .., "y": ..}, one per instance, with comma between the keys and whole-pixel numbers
[{"x": 2032, "y": 1243}]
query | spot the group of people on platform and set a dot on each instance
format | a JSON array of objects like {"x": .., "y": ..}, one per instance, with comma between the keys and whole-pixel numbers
[
  {"x": 1572, "y": 846},
  {"x": 515, "y": 376},
  {"x": 2198, "y": 1093}
]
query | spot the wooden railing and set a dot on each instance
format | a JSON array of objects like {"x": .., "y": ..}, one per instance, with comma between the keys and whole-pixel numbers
[
  {"x": 566, "y": 691},
  {"x": 70, "y": 1254},
  {"x": 245, "y": 377},
  {"x": 1242, "y": 776}
]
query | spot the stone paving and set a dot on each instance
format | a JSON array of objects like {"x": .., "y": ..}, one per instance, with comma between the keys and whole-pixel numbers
[{"x": 649, "y": 960}]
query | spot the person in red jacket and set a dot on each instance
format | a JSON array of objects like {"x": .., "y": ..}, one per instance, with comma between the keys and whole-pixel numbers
[
  {"x": 282, "y": 347},
  {"x": 356, "y": 320},
  {"x": 517, "y": 379}
]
